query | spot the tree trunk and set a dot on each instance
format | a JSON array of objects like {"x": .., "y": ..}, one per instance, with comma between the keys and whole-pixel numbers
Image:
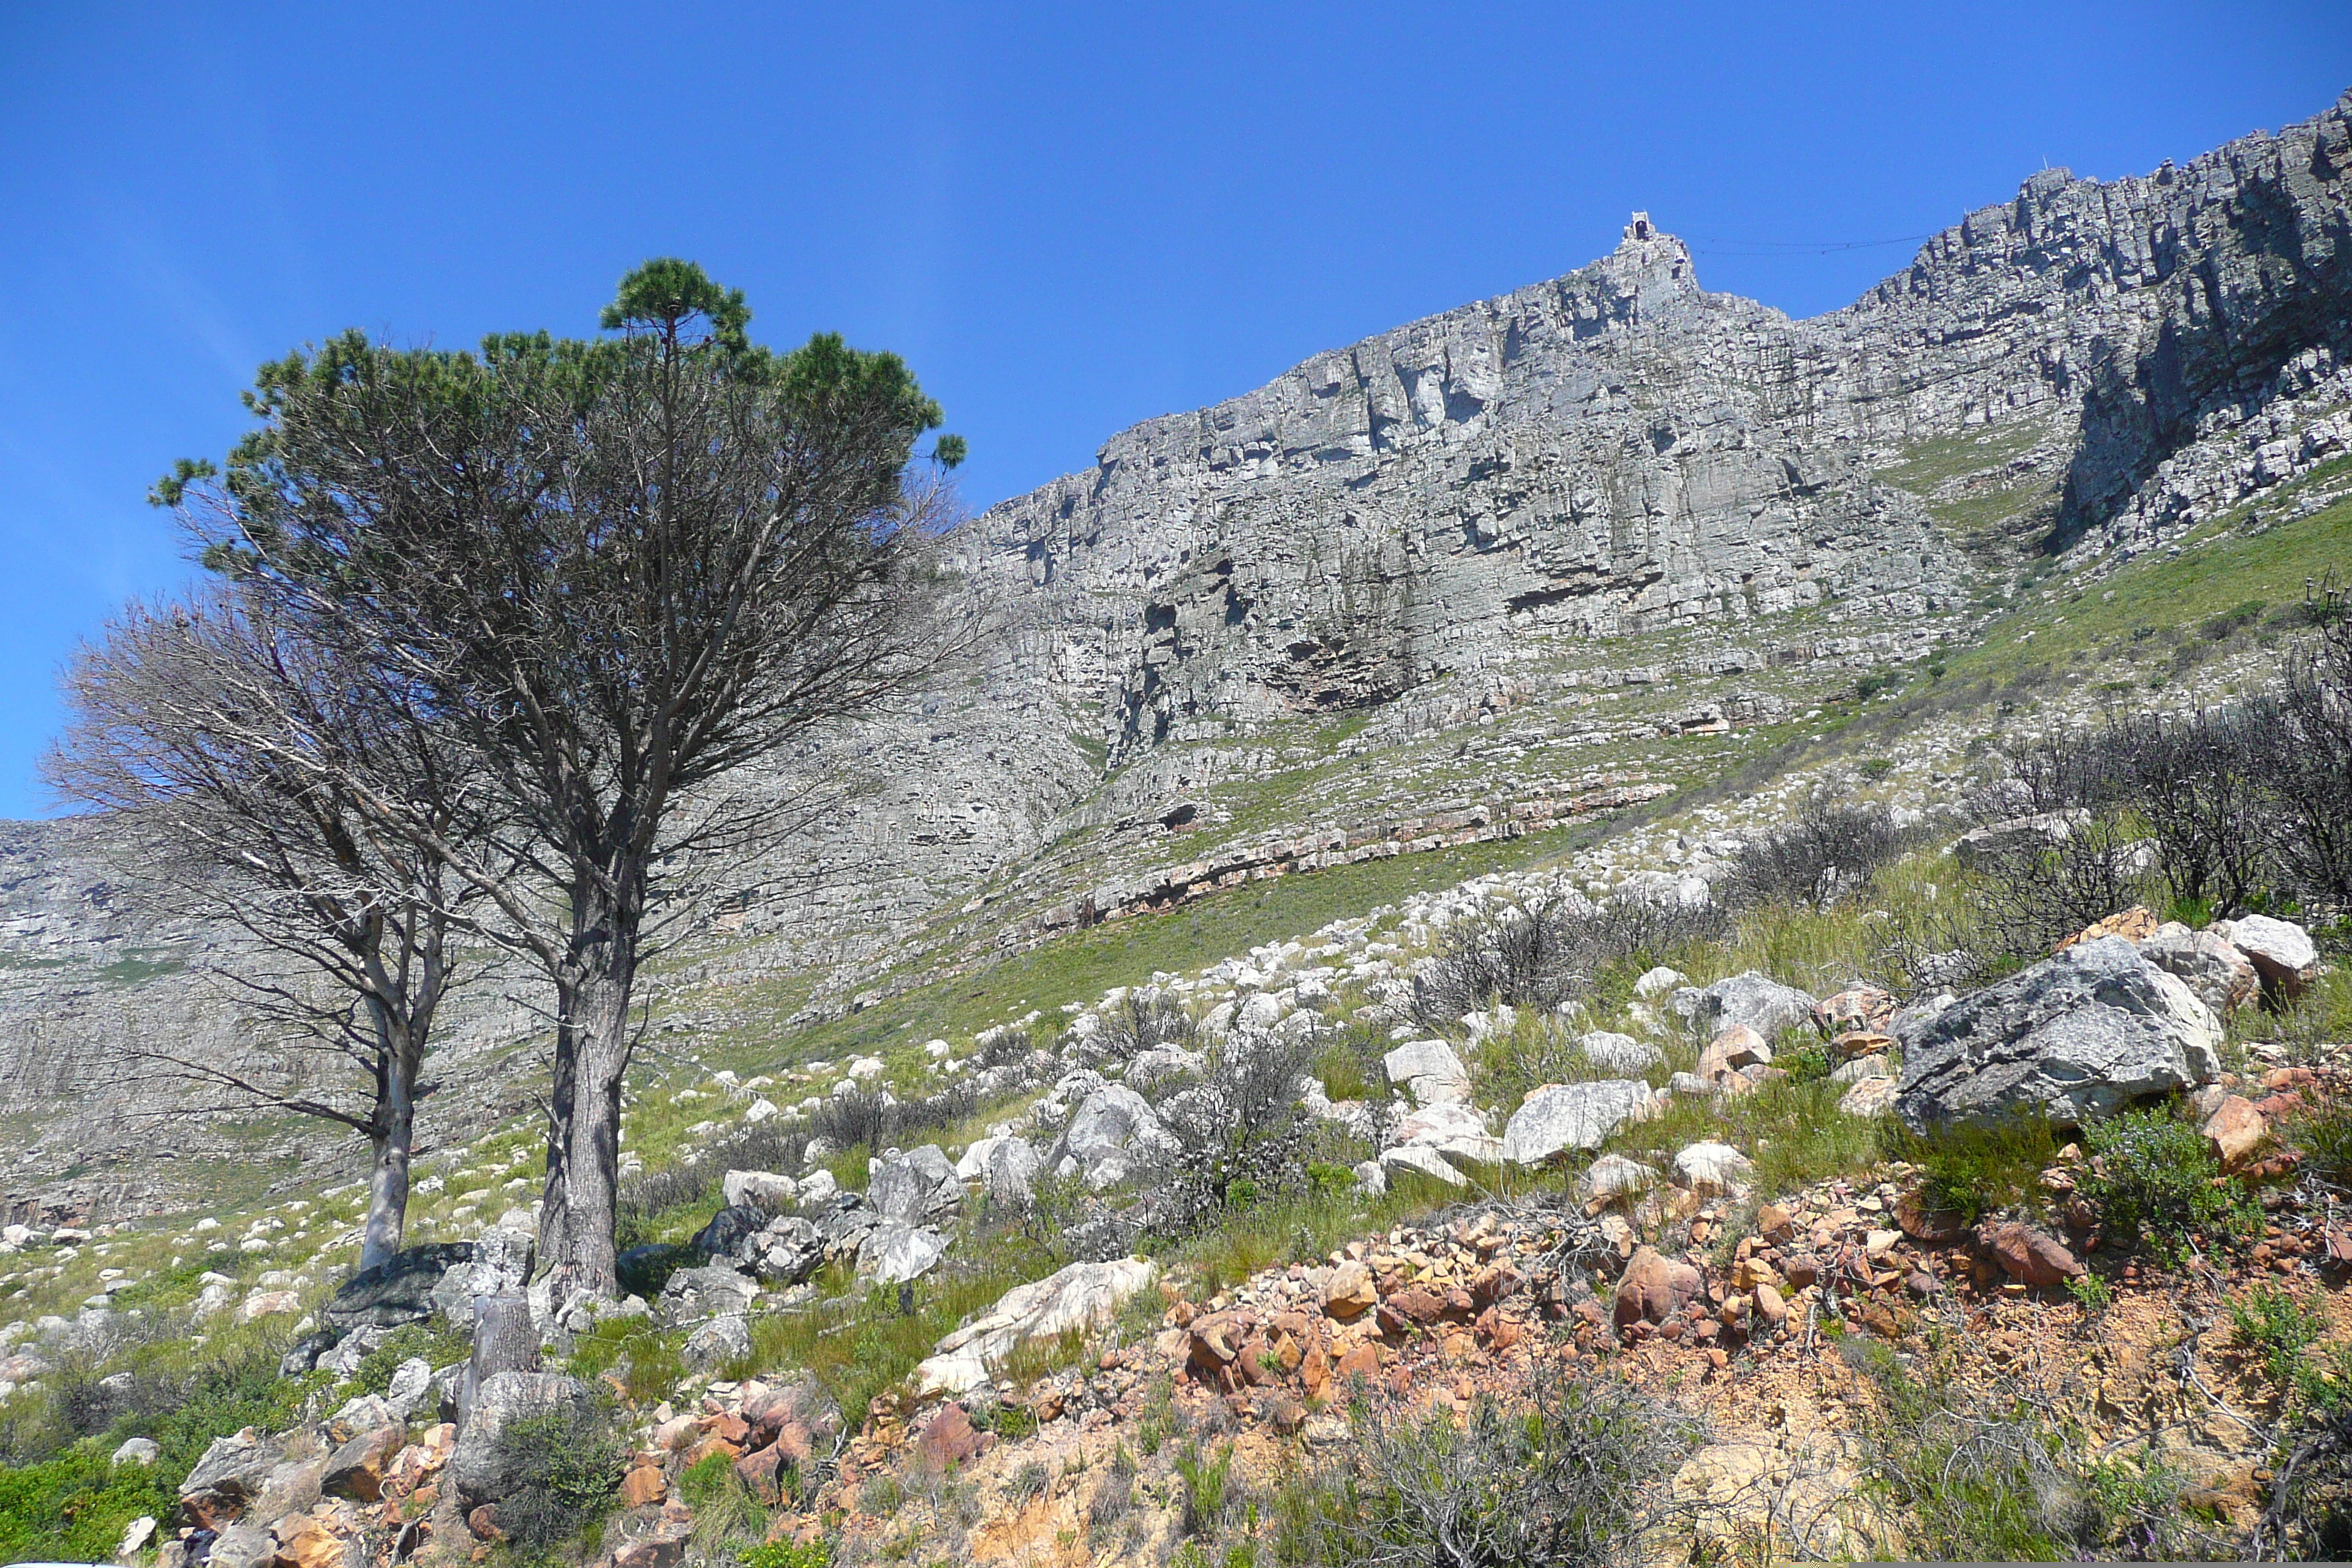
[
  {"x": 555, "y": 1207},
  {"x": 584, "y": 1143},
  {"x": 393, "y": 1136},
  {"x": 504, "y": 1340},
  {"x": 593, "y": 1163}
]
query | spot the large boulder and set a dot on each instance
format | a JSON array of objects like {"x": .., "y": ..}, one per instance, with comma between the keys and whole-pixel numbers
[
  {"x": 1709, "y": 1168},
  {"x": 843, "y": 1223},
  {"x": 914, "y": 1185},
  {"x": 1620, "y": 1054},
  {"x": 1082, "y": 1296},
  {"x": 2074, "y": 1038},
  {"x": 1452, "y": 1129},
  {"x": 231, "y": 1474},
  {"x": 714, "y": 1290},
  {"x": 1563, "y": 1116},
  {"x": 1423, "y": 1158},
  {"x": 484, "y": 1470},
  {"x": 1113, "y": 1136},
  {"x": 759, "y": 1190},
  {"x": 2280, "y": 951},
  {"x": 2215, "y": 972},
  {"x": 1753, "y": 999},
  {"x": 1429, "y": 1072},
  {"x": 785, "y": 1251},
  {"x": 399, "y": 1290},
  {"x": 731, "y": 1231},
  {"x": 894, "y": 1253}
]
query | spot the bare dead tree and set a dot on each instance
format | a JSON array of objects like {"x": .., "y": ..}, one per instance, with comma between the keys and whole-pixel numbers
[
  {"x": 619, "y": 572},
  {"x": 232, "y": 760}
]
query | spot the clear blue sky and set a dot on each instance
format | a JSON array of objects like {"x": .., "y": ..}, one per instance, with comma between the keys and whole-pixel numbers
[{"x": 1069, "y": 219}]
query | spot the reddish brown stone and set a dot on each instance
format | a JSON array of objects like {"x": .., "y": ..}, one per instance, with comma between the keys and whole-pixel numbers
[
  {"x": 2028, "y": 1253},
  {"x": 484, "y": 1522},
  {"x": 757, "y": 1471},
  {"x": 950, "y": 1440},
  {"x": 1418, "y": 1304},
  {"x": 1653, "y": 1287},
  {"x": 643, "y": 1487}
]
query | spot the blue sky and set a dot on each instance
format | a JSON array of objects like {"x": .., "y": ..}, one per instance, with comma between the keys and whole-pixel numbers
[{"x": 1067, "y": 218}]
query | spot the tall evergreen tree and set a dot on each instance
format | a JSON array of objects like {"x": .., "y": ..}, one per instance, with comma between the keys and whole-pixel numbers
[{"x": 616, "y": 572}]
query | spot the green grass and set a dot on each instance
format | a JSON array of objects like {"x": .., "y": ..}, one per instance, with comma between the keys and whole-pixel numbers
[
  {"x": 2218, "y": 570},
  {"x": 1080, "y": 965},
  {"x": 1974, "y": 1171},
  {"x": 1927, "y": 464}
]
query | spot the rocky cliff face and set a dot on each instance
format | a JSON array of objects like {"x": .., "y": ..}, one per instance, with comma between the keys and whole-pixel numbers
[
  {"x": 1413, "y": 526},
  {"x": 1619, "y": 450}
]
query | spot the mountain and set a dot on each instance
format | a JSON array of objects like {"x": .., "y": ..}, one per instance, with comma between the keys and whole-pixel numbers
[{"x": 1535, "y": 559}]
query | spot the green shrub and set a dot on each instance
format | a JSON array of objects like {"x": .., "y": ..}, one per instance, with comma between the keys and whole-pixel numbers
[
  {"x": 568, "y": 1464},
  {"x": 75, "y": 1507},
  {"x": 1208, "y": 1492},
  {"x": 647, "y": 1361},
  {"x": 1805, "y": 1060},
  {"x": 2152, "y": 1175},
  {"x": 2272, "y": 1322},
  {"x": 2322, "y": 1129},
  {"x": 1575, "y": 1472},
  {"x": 726, "y": 1514},
  {"x": 785, "y": 1554},
  {"x": 1981, "y": 1473}
]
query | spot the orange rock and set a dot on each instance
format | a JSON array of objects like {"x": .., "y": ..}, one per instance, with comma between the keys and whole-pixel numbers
[
  {"x": 1418, "y": 1304},
  {"x": 643, "y": 1487},
  {"x": 1363, "y": 1362},
  {"x": 1921, "y": 1223},
  {"x": 2028, "y": 1254},
  {"x": 311, "y": 1545},
  {"x": 1775, "y": 1224},
  {"x": 357, "y": 1469},
  {"x": 1735, "y": 1048},
  {"x": 2237, "y": 1132},
  {"x": 1315, "y": 1371},
  {"x": 1771, "y": 1307},
  {"x": 1351, "y": 1293},
  {"x": 2136, "y": 923},
  {"x": 1653, "y": 1287}
]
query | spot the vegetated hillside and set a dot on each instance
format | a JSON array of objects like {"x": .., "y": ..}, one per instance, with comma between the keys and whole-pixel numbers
[{"x": 1322, "y": 1054}]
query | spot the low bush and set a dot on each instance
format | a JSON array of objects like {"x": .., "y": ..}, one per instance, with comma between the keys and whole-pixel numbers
[
  {"x": 1571, "y": 1472},
  {"x": 1977, "y": 1471},
  {"x": 1144, "y": 1020},
  {"x": 567, "y": 1464},
  {"x": 1974, "y": 1171},
  {"x": 1539, "y": 953},
  {"x": 1831, "y": 850},
  {"x": 2277, "y": 1329},
  {"x": 1240, "y": 1131},
  {"x": 2152, "y": 1178},
  {"x": 437, "y": 1342}
]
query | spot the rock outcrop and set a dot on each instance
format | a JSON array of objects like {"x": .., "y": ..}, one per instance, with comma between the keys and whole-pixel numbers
[{"x": 2075, "y": 1038}]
